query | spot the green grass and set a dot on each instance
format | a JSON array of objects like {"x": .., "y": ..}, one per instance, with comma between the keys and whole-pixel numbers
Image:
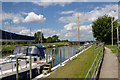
[
  {"x": 9, "y": 47},
  {"x": 78, "y": 67},
  {"x": 113, "y": 48}
]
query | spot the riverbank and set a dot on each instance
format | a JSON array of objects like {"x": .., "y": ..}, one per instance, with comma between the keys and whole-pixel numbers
[{"x": 78, "y": 67}]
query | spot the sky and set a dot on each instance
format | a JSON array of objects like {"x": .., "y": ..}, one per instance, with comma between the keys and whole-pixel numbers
[{"x": 55, "y": 18}]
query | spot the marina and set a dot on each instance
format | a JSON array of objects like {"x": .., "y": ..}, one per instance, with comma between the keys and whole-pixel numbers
[
  {"x": 40, "y": 56},
  {"x": 66, "y": 40}
]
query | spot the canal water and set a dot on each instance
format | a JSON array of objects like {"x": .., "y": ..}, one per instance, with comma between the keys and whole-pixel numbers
[{"x": 66, "y": 52}]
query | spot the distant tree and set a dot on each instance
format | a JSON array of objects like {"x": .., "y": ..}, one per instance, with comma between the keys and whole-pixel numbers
[
  {"x": 55, "y": 38},
  {"x": 49, "y": 40},
  {"x": 64, "y": 40},
  {"x": 39, "y": 37},
  {"x": 102, "y": 29}
]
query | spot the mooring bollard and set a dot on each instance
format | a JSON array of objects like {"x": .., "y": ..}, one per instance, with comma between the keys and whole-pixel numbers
[
  {"x": 30, "y": 62},
  {"x": 17, "y": 73}
]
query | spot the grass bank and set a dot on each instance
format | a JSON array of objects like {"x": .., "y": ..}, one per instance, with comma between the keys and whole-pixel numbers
[
  {"x": 113, "y": 48},
  {"x": 78, "y": 67}
]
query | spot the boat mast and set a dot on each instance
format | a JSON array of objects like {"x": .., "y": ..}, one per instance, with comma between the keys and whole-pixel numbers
[
  {"x": 41, "y": 35},
  {"x": 78, "y": 30}
]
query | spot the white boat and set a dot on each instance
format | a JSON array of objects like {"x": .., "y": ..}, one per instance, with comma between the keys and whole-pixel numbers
[{"x": 23, "y": 53}]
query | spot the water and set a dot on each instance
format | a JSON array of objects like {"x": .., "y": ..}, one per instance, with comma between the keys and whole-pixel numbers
[{"x": 66, "y": 52}]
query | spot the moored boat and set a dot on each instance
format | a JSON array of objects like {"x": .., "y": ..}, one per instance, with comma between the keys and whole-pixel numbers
[{"x": 23, "y": 53}]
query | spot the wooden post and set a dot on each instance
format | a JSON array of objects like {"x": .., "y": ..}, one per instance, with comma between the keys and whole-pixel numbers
[
  {"x": 60, "y": 57},
  {"x": 17, "y": 73},
  {"x": 64, "y": 54},
  {"x": 46, "y": 58},
  {"x": 52, "y": 58},
  {"x": 30, "y": 62}
]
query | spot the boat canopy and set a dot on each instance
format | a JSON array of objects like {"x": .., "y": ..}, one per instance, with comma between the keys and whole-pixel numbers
[{"x": 30, "y": 50}]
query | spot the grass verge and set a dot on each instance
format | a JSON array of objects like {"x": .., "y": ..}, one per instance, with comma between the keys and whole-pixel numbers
[{"x": 78, "y": 67}]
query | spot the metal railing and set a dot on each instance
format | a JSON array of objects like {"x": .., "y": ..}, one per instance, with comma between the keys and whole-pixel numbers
[{"x": 92, "y": 73}]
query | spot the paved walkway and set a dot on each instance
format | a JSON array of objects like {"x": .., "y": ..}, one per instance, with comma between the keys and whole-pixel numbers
[{"x": 110, "y": 65}]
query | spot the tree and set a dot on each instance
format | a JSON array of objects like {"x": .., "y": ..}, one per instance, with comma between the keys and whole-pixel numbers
[
  {"x": 39, "y": 37},
  {"x": 102, "y": 29},
  {"x": 55, "y": 38},
  {"x": 49, "y": 40}
]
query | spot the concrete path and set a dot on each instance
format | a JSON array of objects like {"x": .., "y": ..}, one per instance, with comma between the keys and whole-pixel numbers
[{"x": 110, "y": 65}]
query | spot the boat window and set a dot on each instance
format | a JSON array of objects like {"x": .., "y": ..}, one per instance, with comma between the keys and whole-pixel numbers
[
  {"x": 33, "y": 50},
  {"x": 16, "y": 50},
  {"x": 24, "y": 49}
]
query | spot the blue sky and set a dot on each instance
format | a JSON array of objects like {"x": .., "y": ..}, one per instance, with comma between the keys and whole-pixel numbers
[{"x": 54, "y": 17}]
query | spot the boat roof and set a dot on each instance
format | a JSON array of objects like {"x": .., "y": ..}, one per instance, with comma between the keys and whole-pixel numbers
[{"x": 38, "y": 46}]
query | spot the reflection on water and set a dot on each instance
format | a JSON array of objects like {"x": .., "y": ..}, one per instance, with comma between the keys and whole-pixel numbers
[{"x": 66, "y": 52}]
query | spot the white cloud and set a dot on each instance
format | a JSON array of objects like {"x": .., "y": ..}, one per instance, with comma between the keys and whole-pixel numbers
[
  {"x": 70, "y": 26},
  {"x": 92, "y": 15},
  {"x": 60, "y": 0},
  {"x": 34, "y": 18},
  {"x": 69, "y": 32},
  {"x": 46, "y": 3},
  {"x": 24, "y": 13},
  {"x": 12, "y": 28},
  {"x": 67, "y": 12},
  {"x": 26, "y": 32},
  {"x": 16, "y": 18}
]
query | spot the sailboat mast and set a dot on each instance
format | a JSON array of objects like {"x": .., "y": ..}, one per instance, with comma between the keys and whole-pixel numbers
[
  {"x": 78, "y": 30},
  {"x": 41, "y": 35}
]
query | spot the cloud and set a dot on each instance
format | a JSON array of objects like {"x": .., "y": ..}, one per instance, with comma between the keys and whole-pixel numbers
[
  {"x": 60, "y": 0},
  {"x": 70, "y": 26},
  {"x": 34, "y": 18},
  {"x": 46, "y": 3},
  {"x": 66, "y": 12},
  {"x": 68, "y": 32},
  {"x": 92, "y": 15},
  {"x": 12, "y": 28},
  {"x": 26, "y": 32},
  {"x": 16, "y": 18},
  {"x": 24, "y": 13}
]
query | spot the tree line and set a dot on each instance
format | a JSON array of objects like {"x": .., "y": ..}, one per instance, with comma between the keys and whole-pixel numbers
[{"x": 39, "y": 37}]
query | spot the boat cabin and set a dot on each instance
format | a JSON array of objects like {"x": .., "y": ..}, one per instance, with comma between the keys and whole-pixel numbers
[{"x": 30, "y": 50}]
